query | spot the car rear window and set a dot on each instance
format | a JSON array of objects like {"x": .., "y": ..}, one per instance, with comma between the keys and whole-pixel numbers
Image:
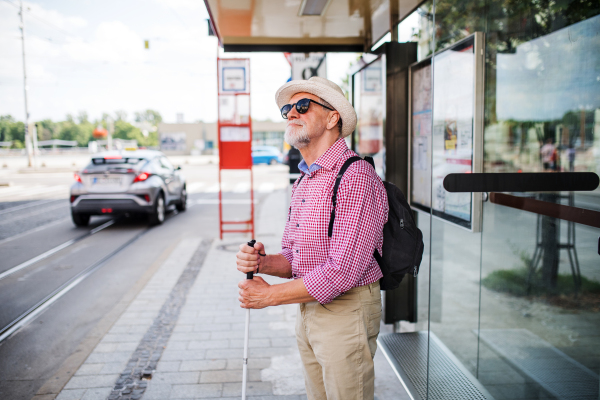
[{"x": 104, "y": 164}]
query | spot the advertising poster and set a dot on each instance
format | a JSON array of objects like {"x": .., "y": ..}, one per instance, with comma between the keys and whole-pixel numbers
[
  {"x": 421, "y": 135},
  {"x": 453, "y": 129},
  {"x": 442, "y": 131}
]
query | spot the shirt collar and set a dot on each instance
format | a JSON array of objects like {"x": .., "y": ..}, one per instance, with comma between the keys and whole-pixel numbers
[{"x": 327, "y": 160}]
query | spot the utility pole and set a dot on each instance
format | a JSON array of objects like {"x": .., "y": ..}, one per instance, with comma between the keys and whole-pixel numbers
[{"x": 27, "y": 139}]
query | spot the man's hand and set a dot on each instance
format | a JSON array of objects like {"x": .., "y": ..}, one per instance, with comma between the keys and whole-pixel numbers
[
  {"x": 254, "y": 293},
  {"x": 248, "y": 259}
]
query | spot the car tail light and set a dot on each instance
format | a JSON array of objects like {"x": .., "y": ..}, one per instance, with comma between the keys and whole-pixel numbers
[
  {"x": 106, "y": 210},
  {"x": 77, "y": 177},
  {"x": 73, "y": 198},
  {"x": 147, "y": 198},
  {"x": 142, "y": 177}
]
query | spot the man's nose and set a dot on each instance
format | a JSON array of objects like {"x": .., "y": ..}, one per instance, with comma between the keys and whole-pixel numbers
[{"x": 293, "y": 113}]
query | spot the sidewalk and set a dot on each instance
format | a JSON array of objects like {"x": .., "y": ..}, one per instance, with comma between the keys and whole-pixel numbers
[{"x": 187, "y": 342}]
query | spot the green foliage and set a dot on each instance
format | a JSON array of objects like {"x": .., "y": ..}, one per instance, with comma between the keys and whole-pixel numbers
[
  {"x": 70, "y": 130},
  {"x": 11, "y": 130},
  {"x": 151, "y": 116},
  {"x": 80, "y": 128},
  {"x": 514, "y": 281}
]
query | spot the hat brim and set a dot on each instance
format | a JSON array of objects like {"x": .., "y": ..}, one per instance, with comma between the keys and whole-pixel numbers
[{"x": 337, "y": 100}]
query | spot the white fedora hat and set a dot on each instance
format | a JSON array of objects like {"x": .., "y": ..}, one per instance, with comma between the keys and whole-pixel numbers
[{"x": 325, "y": 89}]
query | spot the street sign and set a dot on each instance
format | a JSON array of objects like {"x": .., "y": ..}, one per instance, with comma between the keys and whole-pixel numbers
[
  {"x": 235, "y": 132},
  {"x": 234, "y": 76},
  {"x": 304, "y": 67}
]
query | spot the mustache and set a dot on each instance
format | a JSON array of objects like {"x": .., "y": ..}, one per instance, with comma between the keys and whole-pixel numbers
[{"x": 296, "y": 122}]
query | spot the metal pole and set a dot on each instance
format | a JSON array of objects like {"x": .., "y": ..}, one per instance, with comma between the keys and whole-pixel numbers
[
  {"x": 27, "y": 139},
  {"x": 34, "y": 136},
  {"x": 249, "y": 275}
]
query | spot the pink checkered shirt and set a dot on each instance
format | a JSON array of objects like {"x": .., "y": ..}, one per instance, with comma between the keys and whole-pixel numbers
[{"x": 332, "y": 266}]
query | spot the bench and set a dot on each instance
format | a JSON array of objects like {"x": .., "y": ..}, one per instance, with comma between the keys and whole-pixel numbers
[
  {"x": 557, "y": 374},
  {"x": 407, "y": 353}
]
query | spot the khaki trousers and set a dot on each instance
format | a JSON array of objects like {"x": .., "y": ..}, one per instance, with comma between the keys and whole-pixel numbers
[{"x": 337, "y": 343}]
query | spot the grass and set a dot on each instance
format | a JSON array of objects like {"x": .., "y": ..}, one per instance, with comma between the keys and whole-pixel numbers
[{"x": 514, "y": 282}]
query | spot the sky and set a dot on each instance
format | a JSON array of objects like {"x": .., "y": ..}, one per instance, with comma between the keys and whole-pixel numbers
[
  {"x": 89, "y": 56},
  {"x": 551, "y": 75}
]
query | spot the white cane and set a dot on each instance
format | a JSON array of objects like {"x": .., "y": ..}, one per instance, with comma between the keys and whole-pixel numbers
[{"x": 249, "y": 275}]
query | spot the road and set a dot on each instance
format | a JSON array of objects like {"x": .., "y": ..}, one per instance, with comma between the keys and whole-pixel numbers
[{"x": 67, "y": 285}]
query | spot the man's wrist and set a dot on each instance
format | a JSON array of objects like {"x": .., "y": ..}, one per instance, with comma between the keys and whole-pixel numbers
[{"x": 271, "y": 296}]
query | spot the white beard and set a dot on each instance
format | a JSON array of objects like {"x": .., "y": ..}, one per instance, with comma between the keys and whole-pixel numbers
[{"x": 298, "y": 138}]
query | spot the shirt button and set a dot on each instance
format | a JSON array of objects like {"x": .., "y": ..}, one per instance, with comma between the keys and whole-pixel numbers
[
  {"x": 297, "y": 225},
  {"x": 303, "y": 200},
  {"x": 296, "y": 251}
]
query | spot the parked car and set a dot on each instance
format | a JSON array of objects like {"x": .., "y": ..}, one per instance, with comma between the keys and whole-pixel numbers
[
  {"x": 266, "y": 155},
  {"x": 118, "y": 182}
]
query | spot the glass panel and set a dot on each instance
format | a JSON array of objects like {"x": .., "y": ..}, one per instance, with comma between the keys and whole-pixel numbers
[
  {"x": 370, "y": 95},
  {"x": 518, "y": 305},
  {"x": 540, "y": 302}
]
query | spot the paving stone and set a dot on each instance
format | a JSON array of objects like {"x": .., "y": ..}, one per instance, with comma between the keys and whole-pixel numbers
[
  {"x": 256, "y": 363},
  {"x": 123, "y": 337},
  {"x": 89, "y": 369},
  {"x": 180, "y": 355},
  {"x": 202, "y": 365},
  {"x": 196, "y": 391},
  {"x": 252, "y": 343},
  {"x": 113, "y": 368},
  {"x": 224, "y": 353},
  {"x": 177, "y": 377},
  {"x": 187, "y": 336},
  {"x": 228, "y": 376},
  {"x": 127, "y": 346},
  {"x": 96, "y": 358},
  {"x": 178, "y": 345},
  {"x": 91, "y": 381},
  {"x": 283, "y": 342},
  {"x": 157, "y": 391},
  {"x": 183, "y": 328},
  {"x": 268, "y": 352},
  {"x": 73, "y": 394},
  {"x": 97, "y": 393},
  {"x": 106, "y": 348},
  {"x": 208, "y": 344},
  {"x": 210, "y": 327},
  {"x": 227, "y": 335},
  {"x": 168, "y": 366},
  {"x": 253, "y": 389}
]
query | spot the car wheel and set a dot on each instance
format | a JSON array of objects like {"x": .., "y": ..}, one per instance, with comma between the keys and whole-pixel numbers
[
  {"x": 182, "y": 205},
  {"x": 273, "y": 161},
  {"x": 80, "y": 219},
  {"x": 157, "y": 216}
]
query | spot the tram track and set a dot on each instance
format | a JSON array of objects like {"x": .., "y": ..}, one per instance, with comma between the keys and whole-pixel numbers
[{"x": 40, "y": 306}]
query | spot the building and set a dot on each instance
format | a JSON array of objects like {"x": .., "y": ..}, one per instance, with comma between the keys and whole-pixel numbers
[
  {"x": 477, "y": 118},
  {"x": 201, "y": 137}
]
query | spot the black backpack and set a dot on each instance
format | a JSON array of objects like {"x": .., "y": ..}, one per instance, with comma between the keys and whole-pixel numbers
[{"x": 402, "y": 240}]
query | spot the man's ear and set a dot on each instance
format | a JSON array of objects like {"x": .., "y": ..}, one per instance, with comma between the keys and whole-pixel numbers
[{"x": 333, "y": 119}]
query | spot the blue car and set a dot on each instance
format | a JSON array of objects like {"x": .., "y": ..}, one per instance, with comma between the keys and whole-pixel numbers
[{"x": 266, "y": 155}]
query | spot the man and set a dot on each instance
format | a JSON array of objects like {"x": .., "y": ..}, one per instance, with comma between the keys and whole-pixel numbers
[
  {"x": 335, "y": 279},
  {"x": 547, "y": 151}
]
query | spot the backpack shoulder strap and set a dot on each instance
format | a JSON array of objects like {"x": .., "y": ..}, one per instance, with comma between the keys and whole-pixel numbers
[{"x": 338, "y": 179}]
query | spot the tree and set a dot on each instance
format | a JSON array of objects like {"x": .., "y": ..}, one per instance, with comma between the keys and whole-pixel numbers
[
  {"x": 151, "y": 116},
  {"x": 11, "y": 130},
  {"x": 121, "y": 115}
]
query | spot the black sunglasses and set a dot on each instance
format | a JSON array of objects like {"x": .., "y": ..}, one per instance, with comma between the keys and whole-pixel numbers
[{"x": 301, "y": 106}]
